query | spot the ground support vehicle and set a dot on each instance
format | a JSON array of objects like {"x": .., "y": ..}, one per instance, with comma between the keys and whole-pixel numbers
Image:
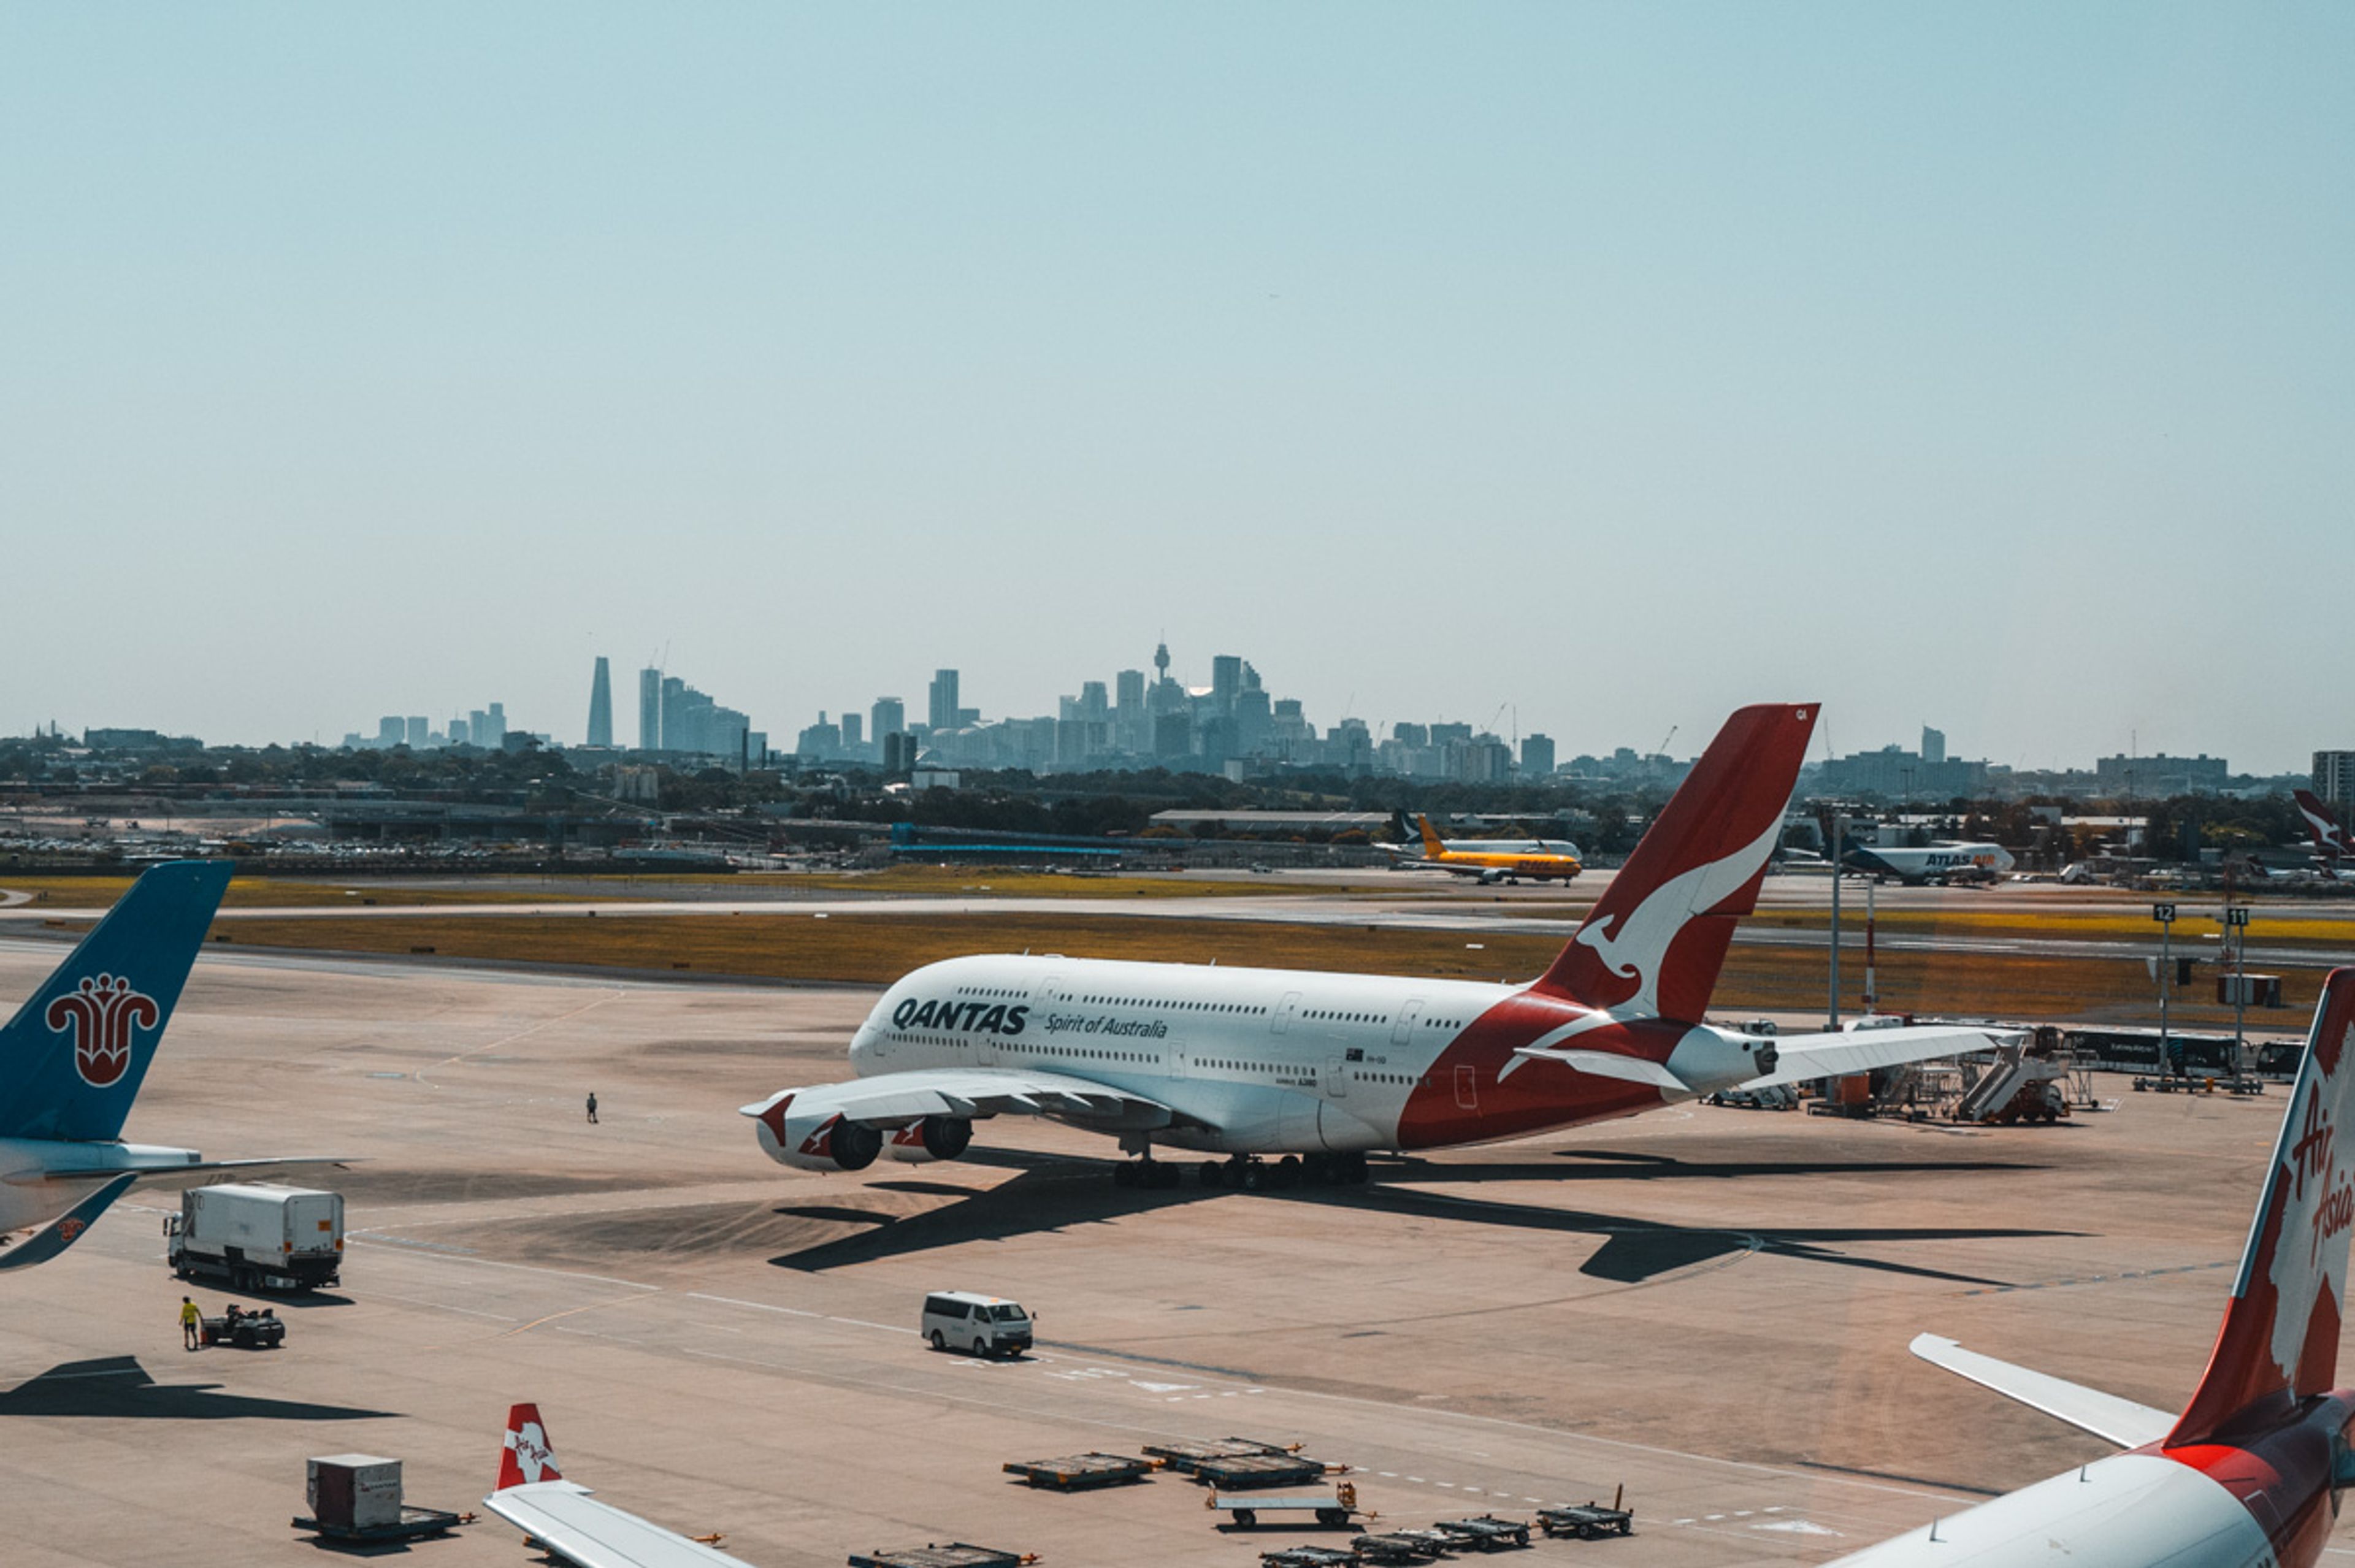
[
  {"x": 248, "y": 1330},
  {"x": 1242, "y": 1472},
  {"x": 981, "y": 1325},
  {"x": 1486, "y": 1532},
  {"x": 1079, "y": 1472},
  {"x": 1184, "y": 1454},
  {"x": 1586, "y": 1522},
  {"x": 1333, "y": 1508},
  {"x": 955, "y": 1554},
  {"x": 1307, "y": 1557},
  {"x": 257, "y": 1237},
  {"x": 1398, "y": 1547}
]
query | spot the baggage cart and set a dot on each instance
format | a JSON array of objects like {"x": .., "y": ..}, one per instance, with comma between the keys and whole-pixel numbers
[
  {"x": 955, "y": 1554},
  {"x": 1181, "y": 1454},
  {"x": 1587, "y": 1521},
  {"x": 1333, "y": 1508},
  {"x": 1239, "y": 1472},
  {"x": 1486, "y": 1532},
  {"x": 1077, "y": 1472}
]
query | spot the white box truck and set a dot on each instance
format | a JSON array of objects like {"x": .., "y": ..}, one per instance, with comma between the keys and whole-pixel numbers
[{"x": 258, "y": 1237}]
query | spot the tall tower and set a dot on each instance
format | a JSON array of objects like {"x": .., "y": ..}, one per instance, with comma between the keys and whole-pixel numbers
[
  {"x": 650, "y": 734},
  {"x": 1161, "y": 661},
  {"x": 941, "y": 701},
  {"x": 600, "y": 705}
]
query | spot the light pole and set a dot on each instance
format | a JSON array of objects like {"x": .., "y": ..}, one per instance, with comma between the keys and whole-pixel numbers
[
  {"x": 1840, "y": 849},
  {"x": 2165, "y": 915},
  {"x": 2236, "y": 922}
]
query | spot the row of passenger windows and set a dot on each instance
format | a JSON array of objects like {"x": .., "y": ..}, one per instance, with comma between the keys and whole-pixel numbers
[
  {"x": 1345, "y": 1018},
  {"x": 999, "y": 991},
  {"x": 1237, "y": 1008}
]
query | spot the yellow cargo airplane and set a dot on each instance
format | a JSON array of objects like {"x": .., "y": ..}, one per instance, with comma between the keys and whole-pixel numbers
[{"x": 1493, "y": 859}]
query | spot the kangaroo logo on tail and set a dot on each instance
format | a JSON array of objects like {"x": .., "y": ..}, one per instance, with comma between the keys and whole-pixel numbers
[{"x": 100, "y": 1015}]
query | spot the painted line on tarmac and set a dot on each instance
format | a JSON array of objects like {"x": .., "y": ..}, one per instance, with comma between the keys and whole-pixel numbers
[{"x": 439, "y": 1256}]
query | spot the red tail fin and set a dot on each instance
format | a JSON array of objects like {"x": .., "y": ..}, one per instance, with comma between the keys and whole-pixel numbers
[
  {"x": 2280, "y": 1338},
  {"x": 1654, "y": 943},
  {"x": 528, "y": 1456},
  {"x": 2329, "y": 836}
]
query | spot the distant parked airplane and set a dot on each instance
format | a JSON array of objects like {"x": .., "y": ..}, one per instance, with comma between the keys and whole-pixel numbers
[
  {"x": 72, "y": 1059},
  {"x": 2249, "y": 1475},
  {"x": 1942, "y": 862},
  {"x": 2334, "y": 851},
  {"x": 1246, "y": 1062},
  {"x": 1490, "y": 859},
  {"x": 565, "y": 1519}
]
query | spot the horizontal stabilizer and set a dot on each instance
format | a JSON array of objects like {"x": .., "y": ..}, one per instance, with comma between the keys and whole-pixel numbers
[
  {"x": 1612, "y": 1065},
  {"x": 1803, "y": 1057},
  {"x": 2106, "y": 1415},
  {"x": 66, "y": 1229}
]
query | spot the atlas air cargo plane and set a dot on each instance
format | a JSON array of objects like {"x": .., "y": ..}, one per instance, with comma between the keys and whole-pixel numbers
[
  {"x": 1946, "y": 862},
  {"x": 2249, "y": 1475},
  {"x": 1491, "y": 859},
  {"x": 72, "y": 1059},
  {"x": 1322, "y": 1069}
]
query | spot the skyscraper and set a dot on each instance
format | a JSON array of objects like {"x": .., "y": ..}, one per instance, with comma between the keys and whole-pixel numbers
[
  {"x": 942, "y": 700},
  {"x": 1226, "y": 680},
  {"x": 649, "y": 710},
  {"x": 888, "y": 717},
  {"x": 600, "y": 705}
]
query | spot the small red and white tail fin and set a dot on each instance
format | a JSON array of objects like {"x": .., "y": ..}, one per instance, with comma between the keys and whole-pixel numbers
[
  {"x": 2329, "y": 836},
  {"x": 528, "y": 1458},
  {"x": 1654, "y": 943},
  {"x": 2280, "y": 1340}
]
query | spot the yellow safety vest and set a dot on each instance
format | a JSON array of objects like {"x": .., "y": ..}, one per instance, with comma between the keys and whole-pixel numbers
[{"x": 188, "y": 1313}]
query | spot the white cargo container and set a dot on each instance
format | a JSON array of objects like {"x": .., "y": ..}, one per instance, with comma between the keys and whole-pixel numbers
[{"x": 258, "y": 1237}]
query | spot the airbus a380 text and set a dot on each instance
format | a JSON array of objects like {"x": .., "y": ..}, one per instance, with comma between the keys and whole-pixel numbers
[{"x": 1323, "y": 1068}]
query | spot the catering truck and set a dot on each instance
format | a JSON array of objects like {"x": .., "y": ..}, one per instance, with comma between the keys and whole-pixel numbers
[{"x": 258, "y": 1237}]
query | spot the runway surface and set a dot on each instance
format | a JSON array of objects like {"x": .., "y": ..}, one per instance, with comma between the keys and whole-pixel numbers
[{"x": 1709, "y": 1307}]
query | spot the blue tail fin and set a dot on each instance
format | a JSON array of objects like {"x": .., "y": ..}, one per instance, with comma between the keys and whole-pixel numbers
[{"x": 72, "y": 1059}]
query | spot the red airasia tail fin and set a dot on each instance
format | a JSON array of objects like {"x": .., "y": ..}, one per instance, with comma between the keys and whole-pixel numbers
[
  {"x": 527, "y": 1458},
  {"x": 1653, "y": 944},
  {"x": 2280, "y": 1340}
]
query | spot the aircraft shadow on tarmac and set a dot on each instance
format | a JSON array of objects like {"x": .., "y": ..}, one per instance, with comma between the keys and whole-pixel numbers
[
  {"x": 118, "y": 1386},
  {"x": 1054, "y": 1193}
]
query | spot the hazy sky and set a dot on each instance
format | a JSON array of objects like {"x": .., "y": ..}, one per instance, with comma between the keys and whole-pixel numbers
[{"x": 1992, "y": 366}]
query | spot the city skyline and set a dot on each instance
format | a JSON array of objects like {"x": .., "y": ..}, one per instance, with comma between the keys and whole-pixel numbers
[{"x": 1622, "y": 363}]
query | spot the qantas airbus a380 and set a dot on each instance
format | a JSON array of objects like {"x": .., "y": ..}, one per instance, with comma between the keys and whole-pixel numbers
[{"x": 1321, "y": 1069}]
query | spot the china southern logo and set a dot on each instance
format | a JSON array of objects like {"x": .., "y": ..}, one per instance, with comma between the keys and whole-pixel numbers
[{"x": 102, "y": 1016}]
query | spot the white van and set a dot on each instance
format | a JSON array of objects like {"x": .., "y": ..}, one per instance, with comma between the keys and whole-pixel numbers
[{"x": 983, "y": 1324}]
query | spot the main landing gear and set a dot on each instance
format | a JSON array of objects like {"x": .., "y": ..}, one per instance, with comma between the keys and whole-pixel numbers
[
  {"x": 1246, "y": 1173},
  {"x": 1146, "y": 1172}
]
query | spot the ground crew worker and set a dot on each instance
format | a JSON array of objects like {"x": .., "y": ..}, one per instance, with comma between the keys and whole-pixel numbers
[
  {"x": 592, "y": 1107},
  {"x": 191, "y": 1324}
]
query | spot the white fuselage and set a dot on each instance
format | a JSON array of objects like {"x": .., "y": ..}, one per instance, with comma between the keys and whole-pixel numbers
[
  {"x": 2132, "y": 1510},
  {"x": 41, "y": 1178},
  {"x": 1931, "y": 861},
  {"x": 1263, "y": 1060}
]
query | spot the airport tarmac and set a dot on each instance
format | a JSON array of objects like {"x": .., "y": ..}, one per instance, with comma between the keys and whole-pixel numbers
[{"x": 1711, "y": 1307}]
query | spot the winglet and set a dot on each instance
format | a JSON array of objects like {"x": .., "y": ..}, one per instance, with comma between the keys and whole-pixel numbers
[
  {"x": 2279, "y": 1342},
  {"x": 526, "y": 1456}
]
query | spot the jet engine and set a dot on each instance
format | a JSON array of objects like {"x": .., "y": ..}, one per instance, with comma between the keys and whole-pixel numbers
[
  {"x": 928, "y": 1138},
  {"x": 819, "y": 1140}
]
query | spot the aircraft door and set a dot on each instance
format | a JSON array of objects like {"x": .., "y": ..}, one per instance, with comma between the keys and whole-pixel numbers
[
  {"x": 1285, "y": 1011},
  {"x": 1336, "y": 1078},
  {"x": 1403, "y": 1031},
  {"x": 1467, "y": 1088}
]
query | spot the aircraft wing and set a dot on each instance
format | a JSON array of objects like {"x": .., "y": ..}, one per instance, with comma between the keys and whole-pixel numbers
[
  {"x": 65, "y": 1230},
  {"x": 147, "y": 1175},
  {"x": 1800, "y": 1057},
  {"x": 895, "y": 1099},
  {"x": 2106, "y": 1415},
  {"x": 573, "y": 1525}
]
